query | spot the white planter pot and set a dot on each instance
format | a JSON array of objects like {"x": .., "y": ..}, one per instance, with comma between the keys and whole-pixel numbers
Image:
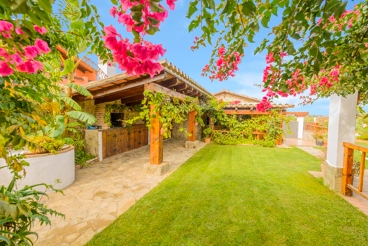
[{"x": 52, "y": 169}]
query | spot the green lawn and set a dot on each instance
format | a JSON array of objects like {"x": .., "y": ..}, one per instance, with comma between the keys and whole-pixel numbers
[{"x": 240, "y": 195}]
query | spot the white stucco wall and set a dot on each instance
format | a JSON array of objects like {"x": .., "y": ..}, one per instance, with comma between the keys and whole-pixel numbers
[
  {"x": 300, "y": 127},
  {"x": 45, "y": 168}
]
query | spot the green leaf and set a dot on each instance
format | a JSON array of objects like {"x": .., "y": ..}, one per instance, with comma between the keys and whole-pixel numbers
[
  {"x": 68, "y": 67},
  {"x": 80, "y": 89},
  {"x": 71, "y": 103},
  {"x": 192, "y": 8},
  {"x": 5, "y": 239},
  {"x": 266, "y": 18},
  {"x": 82, "y": 116},
  {"x": 115, "y": 2},
  {"x": 77, "y": 25},
  {"x": 248, "y": 8},
  {"x": 45, "y": 5},
  {"x": 74, "y": 2},
  {"x": 229, "y": 7},
  {"x": 156, "y": 8}
]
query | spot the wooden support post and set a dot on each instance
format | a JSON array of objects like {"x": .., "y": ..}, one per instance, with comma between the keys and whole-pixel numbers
[
  {"x": 347, "y": 171},
  {"x": 212, "y": 124},
  {"x": 156, "y": 139},
  {"x": 192, "y": 126},
  {"x": 361, "y": 176}
]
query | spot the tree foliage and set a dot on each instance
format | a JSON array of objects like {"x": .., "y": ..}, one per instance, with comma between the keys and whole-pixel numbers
[{"x": 319, "y": 37}]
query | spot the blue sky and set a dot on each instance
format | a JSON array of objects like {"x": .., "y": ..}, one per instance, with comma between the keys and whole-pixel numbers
[{"x": 176, "y": 39}]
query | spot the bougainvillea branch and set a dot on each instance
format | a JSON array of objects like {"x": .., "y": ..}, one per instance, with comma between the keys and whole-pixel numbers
[{"x": 140, "y": 18}]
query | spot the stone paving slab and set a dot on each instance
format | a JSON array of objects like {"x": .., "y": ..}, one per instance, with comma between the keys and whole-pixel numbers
[{"x": 103, "y": 192}]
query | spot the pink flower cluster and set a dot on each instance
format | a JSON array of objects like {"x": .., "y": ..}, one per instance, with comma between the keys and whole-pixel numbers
[
  {"x": 225, "y": 66},
  {"x": 24, "y": 60},
  {"x": 135, "y": 59},
  {"x": 264, "y": 105},
  {"x": 149, "y": 17},
  {"x": 141, "y": 57}
]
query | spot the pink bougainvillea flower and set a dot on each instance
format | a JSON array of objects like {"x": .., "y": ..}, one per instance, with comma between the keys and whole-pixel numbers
[
  {"x": 17, "y": 59},
  {"x": 31, "y": 52},
  {"x": 283, "y": 54},
  {"x": 113, "y": 11},
  {"x": 42, "y": 46},
  {"x": 4, "y": 54},
  {"x": 270, "y": 58},
  {"x": 366, "y": 45},
  {"x": 5, "y": 70},
  {"x": 5, "y": 28},
  {"x": 18, "y": 31},
  {"x": 41, "y": 30},
  {"x": 171, "y": 4}
]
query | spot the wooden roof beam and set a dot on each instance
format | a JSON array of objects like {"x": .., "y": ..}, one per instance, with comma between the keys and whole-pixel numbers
[
  {"x": 158, "y": 88},
  {"x": 134, "y": 98},
  {"x": 169, "y": 83},
  {"x": 180, "y": 87},
  {"x": 121, "y": 87}
]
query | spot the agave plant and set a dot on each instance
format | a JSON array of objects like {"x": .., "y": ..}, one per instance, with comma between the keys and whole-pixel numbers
[{"x": 19, "y": 210}]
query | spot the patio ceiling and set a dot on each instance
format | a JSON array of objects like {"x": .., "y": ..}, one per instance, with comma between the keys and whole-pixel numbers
[{"x": 129, "y": 89}]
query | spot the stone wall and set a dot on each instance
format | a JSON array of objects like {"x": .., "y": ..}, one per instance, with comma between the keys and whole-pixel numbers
[
  {"x": 100, "y": 113},
  {"x": 176, "y": 134},
  {"x": 88, "y": 106},
  {"x": 91, "y": 141}
]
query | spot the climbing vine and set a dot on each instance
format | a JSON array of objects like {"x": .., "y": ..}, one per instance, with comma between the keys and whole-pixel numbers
[
  {"x": 242, "y": 131},
  {"x": 109, "y": 108},
  {"x": 168, "y": 110}
]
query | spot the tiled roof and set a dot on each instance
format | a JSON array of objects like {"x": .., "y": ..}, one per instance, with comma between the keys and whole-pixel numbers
[
  {"x": 170, "y": 68},
  {"x": 253, "y": 105}
]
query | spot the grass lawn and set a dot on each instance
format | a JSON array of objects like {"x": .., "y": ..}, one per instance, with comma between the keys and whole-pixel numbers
[{"x": 240, "y": 195}]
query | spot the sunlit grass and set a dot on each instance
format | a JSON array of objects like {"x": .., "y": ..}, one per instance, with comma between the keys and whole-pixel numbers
[{"x": 240, "y": 195}]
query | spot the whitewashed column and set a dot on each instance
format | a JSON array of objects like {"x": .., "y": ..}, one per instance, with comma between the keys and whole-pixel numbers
[
  {"x": 341, "y": 128},
  {"x": 300, "y": 127}
]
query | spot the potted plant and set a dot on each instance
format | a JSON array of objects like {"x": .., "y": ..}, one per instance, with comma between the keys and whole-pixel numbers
[
  {"x": 208, "y": 133},
  {"x": 319, "y": 138}
]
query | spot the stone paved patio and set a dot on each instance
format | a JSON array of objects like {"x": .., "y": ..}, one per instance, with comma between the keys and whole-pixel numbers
[{"x": 103, "y": 192}]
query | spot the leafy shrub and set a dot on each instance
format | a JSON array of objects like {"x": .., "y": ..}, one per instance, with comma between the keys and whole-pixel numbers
[
  {"x": 19, "y": 209},
  {"x": 81, "y": 157}
]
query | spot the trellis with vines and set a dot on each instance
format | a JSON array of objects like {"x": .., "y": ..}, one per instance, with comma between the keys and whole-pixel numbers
[{"x": 169, "y": 110}]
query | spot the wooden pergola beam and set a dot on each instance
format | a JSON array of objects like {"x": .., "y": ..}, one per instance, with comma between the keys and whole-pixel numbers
[
  {"x": 121, "y": 87},
  {"x": 181, "y": 87},
  {"x": 244, "y": 111},
  {"x": 298, "y": 114},
  {"x": 169, "y": 83},
  {"x": 133, "y": 98},
  {"x": 120, "y": 95},
  {"x": 158, "y": 88}
]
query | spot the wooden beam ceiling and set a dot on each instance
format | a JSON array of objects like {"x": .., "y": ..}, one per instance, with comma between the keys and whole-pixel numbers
[
  {"x": 158, "y": 88},
  {"x": 117, "y": 96}
]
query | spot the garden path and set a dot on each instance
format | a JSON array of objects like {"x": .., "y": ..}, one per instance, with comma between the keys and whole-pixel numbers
[{"x": 103, "y": 192}]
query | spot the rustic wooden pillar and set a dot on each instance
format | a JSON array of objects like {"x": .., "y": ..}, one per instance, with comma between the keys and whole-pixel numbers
[
  {"x": 156, "y": 138},
  {"x": 192, "y": 125},
  {"x": 347, "y": 171}
]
